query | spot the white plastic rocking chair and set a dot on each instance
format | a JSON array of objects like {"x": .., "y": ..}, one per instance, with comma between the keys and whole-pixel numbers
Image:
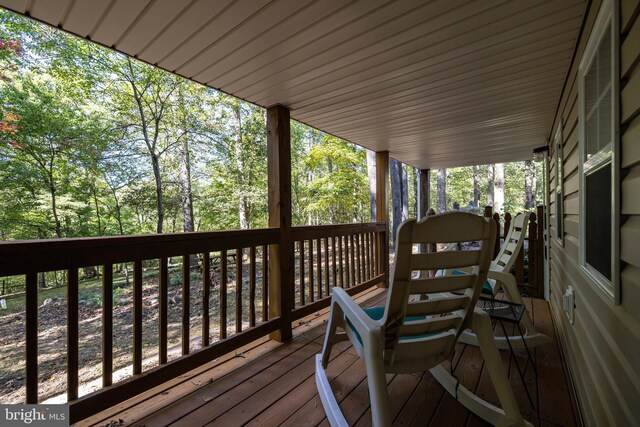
[
  {"x": 500, "y": 277},
  {"x": 407, "y": 336}
]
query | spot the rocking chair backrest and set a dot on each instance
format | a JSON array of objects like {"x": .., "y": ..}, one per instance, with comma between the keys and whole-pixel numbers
[
  {"x": 432, "y": 326},
  {"x": 512, "y": 244}
]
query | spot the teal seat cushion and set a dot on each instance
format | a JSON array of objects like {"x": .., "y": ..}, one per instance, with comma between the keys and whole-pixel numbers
[
  {"x": 376, "y": 313},
  {"x": 486, "y": 287}
]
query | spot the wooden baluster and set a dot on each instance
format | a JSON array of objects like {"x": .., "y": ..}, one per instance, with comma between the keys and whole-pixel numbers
[
  {"x": 311, "y": 271},
  {"x": 239, "y": 254},
  {"x": 301, "y": 259},
  {"x": 163, "y": 301},
  {"x": 374, "y": 254},
  {"x": 107, "y": 325},
  {"x": 507, "y": 224},
  {"x": 351, "y": 260},
  {"x": 186, "y": 296},
  {"x": 356, "y": 249},
  {"x": 327, "y": 286},
  {"x": 340, "y": 255},
  {"x": 72, "y": 334},
  {"x": 265, "y": 281},
  {"x": 519, "y": 266},
  {"x": 206, "y": 293},
  {"x": 319, "y": 268},
  {"x": 348, "y": 258},
  {"x": 31, "y": 332},
  {"x": 362, "y": 258},
  {"x": 137, "y": 317},
  {"x": 352, "y": 264},
  {"x": 367, "y": 239},
  {"x": 252, "y": 286},
  {"x": 334, "y": 264},
  {"x": 223, "y": 294}
]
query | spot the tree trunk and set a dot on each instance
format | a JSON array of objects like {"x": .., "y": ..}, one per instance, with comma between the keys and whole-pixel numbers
[
  {"x": 498, "y": 195},
  {"x": 476, "y": 188},
  {"x": 371, "y": 171},
  {"x": 490, "y": 185},
  {"x": 94, "y": 193},
  {"x": 42, "y": 280},
  {"x": 187, "y": 196},
  {"x": 396, "y": 194},
  {"x": 54, "y": 209},
  {"x": 529, "y": 185},
  {"x": 442, "y": 190},
  {"x": 243, "y": 209},
  {"x": 159, "y": 193},
  {"x": 405, "y": 192}
]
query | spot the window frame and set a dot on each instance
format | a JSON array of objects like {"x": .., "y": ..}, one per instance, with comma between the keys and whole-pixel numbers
[
  {"x": 608, "y": 15},
  {"x": 558, "y": 156}
]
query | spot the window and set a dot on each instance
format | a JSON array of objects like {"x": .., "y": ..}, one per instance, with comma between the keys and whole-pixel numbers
[
  {"x": 559, "y": 202},
  {"x": 599, "y": 153}
]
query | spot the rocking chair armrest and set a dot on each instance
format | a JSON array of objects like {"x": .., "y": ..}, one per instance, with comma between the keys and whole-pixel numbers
[
  {"x": 501, "y": 276},
  {"x": 362, "y": 323}
]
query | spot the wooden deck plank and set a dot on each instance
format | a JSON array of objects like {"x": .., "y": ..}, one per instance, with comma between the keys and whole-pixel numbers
[
  {"x": 174, "y": 409},
  {"x": 555, "y": 401},
  {"x": 468, "y": 371},
  {"x": 312, "y": 413},
  {"x": 422, "y": 404},
  {"x": 210, "y": 402},
  {"x": 145, "y": 404},
  {"x": 401, "y": 388},
  {"x": 278, "y": 387},
  {"x": 297, "y": 397},
  {"x": 275, "y": 391}
]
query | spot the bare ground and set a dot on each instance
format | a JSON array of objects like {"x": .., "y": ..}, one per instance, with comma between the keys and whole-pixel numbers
[{"x": 52, "y": 337}]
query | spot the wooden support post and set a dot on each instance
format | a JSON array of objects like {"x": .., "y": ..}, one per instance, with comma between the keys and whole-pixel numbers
[
  {"x": 281, "y": 274},
  {"x": 424, "y": 192},
  {"x": 382, "y": 240},
  {"x": 540, "y": 250},
  {"x": 424, "y": 198},
  {"x": 532, "y": 279}
]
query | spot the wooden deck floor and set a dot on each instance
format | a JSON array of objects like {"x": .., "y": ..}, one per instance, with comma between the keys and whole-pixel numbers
[{"x": 272, "y": 384}]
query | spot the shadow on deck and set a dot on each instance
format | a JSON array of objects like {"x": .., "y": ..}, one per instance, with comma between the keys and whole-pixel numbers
[{"x": 272, "y": 384}]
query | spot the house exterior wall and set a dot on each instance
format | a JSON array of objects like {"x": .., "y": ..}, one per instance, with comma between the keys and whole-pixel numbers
[{"x": 602, "y": 347}]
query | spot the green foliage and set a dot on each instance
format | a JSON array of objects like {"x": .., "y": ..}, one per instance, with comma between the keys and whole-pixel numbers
[{"x": 337, "y": 190}]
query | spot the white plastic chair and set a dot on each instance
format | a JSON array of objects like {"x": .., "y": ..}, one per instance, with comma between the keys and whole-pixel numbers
[
  {"x": 407, "y": 336},
  {"x": 499, "y": 278}
]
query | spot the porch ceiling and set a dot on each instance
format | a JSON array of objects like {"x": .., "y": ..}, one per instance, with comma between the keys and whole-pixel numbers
[{"x": 439, "y": 84}]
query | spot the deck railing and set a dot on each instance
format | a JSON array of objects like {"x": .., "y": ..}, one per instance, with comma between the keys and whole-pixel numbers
[
  {"x": 236, "y": 262},
  {"x": 342, "y": 256}
]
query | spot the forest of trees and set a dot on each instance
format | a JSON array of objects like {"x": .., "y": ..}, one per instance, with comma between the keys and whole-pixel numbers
[{"x": 93, "y": 143}]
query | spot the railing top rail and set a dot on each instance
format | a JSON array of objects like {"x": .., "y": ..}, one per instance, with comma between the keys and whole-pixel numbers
[
  {"x": 319, "y": 231},
  {"x": 20, "y": 257}
]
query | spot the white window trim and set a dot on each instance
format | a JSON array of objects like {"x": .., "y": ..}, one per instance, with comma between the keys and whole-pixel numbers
[
  {"x": 558, "y": 143},
  {"x": 609, "y": 12}
]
